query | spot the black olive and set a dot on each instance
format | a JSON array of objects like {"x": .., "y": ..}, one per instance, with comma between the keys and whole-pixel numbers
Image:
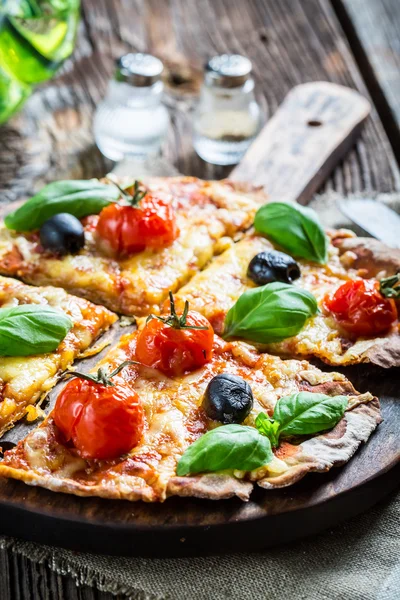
[
  {"x": 62, "y": 234},
  {"x": 273, "y": 266},
  {"x": 228, "y": 399}
]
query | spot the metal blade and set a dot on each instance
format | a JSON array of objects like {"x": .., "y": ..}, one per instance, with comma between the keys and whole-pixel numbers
[{"x": 375, "y": 218}]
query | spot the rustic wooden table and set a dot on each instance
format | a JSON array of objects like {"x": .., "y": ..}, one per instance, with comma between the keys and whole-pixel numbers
[{"x": 351, "y": 42}]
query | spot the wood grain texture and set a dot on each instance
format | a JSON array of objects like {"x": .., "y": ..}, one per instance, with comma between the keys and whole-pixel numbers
[
  {"x": 373, "y": 28},
  {"x": 312, "y": 130},
  {"x": 290, "y": 42}
]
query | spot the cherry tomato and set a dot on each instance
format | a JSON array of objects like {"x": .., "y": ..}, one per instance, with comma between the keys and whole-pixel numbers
[
  {"x": 359, "y": 307},
  {"x": 175, "y": 350},
  {"x": 130, "y": 229},
  {"x": 102, "y": 422}
]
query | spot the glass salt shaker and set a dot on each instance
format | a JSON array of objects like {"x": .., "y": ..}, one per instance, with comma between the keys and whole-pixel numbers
[
  {"x": 228, "y": 117},
  {"x": 131, "y": 120}
]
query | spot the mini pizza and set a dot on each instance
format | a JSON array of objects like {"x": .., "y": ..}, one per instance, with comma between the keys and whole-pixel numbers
[
  {"x": 354, "y": 318},
  {"x": 176, "y": 410},
  {"x": 42, "y": 331},
  {"x": 124, "y": 248}
]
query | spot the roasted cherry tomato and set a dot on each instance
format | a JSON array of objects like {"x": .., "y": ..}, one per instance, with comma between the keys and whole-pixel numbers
[
  {"x": 103, "y": 421},
  {"x": 145, "y": 221},
  {"x": 360, "y": 308},
  {"x": 176, "y": 344}
]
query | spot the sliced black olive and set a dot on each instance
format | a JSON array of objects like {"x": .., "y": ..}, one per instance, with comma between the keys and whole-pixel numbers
[
  {"x": 62, "y": 234},
  {"x": 228, "y": 399},
  {"x": 270, "y": 266}
]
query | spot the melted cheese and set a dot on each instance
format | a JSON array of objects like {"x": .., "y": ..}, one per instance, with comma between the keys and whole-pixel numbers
[{"x": 213, "y": 291}]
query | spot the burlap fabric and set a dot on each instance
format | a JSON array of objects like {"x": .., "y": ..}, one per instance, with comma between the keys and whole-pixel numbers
[{"x": 358, "y": 560}]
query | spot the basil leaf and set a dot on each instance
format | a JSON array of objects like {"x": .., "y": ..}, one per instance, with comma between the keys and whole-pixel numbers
[
  {"x": 31, "y": 329},
  {"x": 305, "y": 412},
  {"x": 295, "y": 228},
  {"x": 226, "y": 447},
  {"x": 270, "y": 313},
  {"x": 78, "y": 198}
]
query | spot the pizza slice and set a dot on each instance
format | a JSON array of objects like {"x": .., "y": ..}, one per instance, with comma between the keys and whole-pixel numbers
[
  {"x": 175, "y": 410},
  {"x": 356, "y": 320},
  {"x": 27, "y": 374},
  {"x": 128, "y": 257}
]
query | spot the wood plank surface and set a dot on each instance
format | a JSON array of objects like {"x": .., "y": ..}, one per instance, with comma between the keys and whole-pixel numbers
[
  {"x": 290, "y": 42},
  {"x": 312, "y": 130},
  {"x": 374, "y": 29}
]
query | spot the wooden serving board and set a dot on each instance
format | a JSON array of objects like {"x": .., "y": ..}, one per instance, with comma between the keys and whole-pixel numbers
[{"x": 294, "y": 154}]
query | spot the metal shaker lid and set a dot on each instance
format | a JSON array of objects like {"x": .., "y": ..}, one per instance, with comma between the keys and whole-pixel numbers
[
  {"x": 139, "y": 69},
  {"x": 228, "y": 70}
]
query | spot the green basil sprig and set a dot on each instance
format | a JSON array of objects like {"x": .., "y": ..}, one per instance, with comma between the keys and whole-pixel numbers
[
  {"x": 226, "y": 447},
  {"x": 390, "y": 286},
  {"x": 31, "y": 329},
  {"x": 270, "y": 313},
  {"x": 302, "y": 413},
  {"x": 78, "y": 198},
  {"x": 268, "y": 427},
  {"x": 295, "y": 228}
]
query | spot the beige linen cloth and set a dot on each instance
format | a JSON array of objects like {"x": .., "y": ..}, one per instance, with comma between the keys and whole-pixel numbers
[{"x": 358, "y": 560}]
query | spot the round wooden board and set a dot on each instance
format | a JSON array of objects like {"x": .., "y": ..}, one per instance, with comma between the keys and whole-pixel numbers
[{"x": 184, "y": 526}]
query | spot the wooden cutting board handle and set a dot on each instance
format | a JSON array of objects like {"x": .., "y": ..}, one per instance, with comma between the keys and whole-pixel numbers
[{"x": 310, "y": 133}]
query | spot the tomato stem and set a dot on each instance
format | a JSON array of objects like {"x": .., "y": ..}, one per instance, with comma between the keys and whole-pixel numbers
[
  {"x": 102, "y": 377},
  {"x": 131, "y": 199},
  {"x": 174, "y": 320}
]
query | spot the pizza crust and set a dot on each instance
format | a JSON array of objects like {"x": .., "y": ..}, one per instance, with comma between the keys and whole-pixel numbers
[
  {"x": 370, "y": 257},
  {"x": 333, "y": 449},
  {"x": 211, "y": 487},
  {"x": 386, "y": 353},
  {"x": 55, "y": 484},
  {"x": 318, "y": 454}
]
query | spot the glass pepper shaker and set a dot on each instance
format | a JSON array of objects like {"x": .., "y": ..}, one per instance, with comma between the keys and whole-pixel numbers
[
  {"x": 131, "y": 120},
  {"x": 228, "y": 117}
]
